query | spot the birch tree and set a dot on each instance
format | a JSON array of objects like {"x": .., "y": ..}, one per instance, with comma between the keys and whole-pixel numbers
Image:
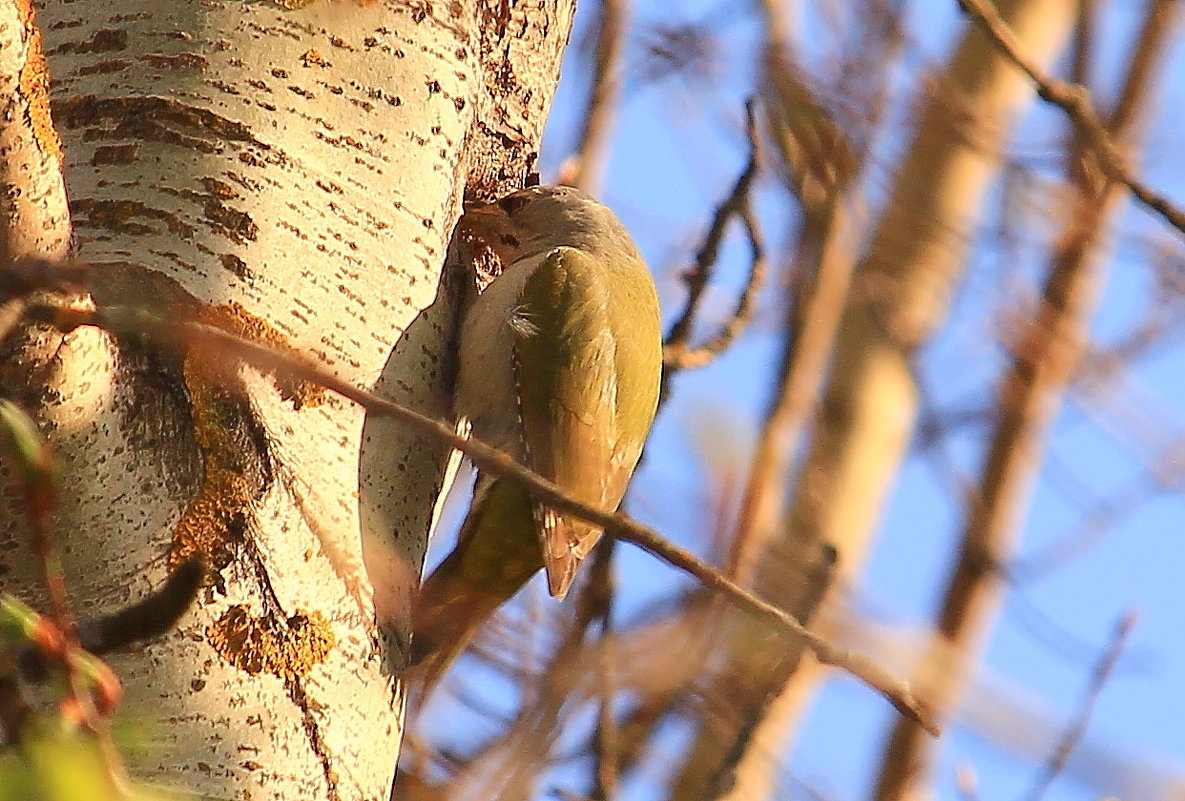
[{"x": 290, "y": 173}]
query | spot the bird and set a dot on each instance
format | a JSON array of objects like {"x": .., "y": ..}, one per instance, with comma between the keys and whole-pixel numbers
[{"x": 559, "y": 363}]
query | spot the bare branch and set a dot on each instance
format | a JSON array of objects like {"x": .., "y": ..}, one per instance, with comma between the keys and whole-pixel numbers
[
  {"x": 677, "y": 351},
  {"x": 587, "y": 164},
  {"x": 1077, "y": 727},
  {"x": 1075, "y": 100},
  {"x": 598, "y": 597}
]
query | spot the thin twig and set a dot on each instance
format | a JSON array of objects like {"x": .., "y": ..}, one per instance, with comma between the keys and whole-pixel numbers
[
  {"x": 677, "y": 350},
  {"x": 1075, "y": 100},
  {"x": 588, "y": 162},
  {"x": 216, "y": 343},
  {"x": 33, "y": 466},
  {"x": 20, "y": 278},
  {"x": 599, "y": 598},
  {"x": 702, "y": 354},
  {"x": 1077, "y": 727}
]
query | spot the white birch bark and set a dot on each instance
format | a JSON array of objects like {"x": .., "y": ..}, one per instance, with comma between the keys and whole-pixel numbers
[
  {"x": 33, "y": 216},
  {"x": 292, "y": 174}
]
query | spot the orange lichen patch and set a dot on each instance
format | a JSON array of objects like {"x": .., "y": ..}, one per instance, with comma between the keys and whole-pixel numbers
[
  {"x": 214, "y": 521},
  {"x": 33, "y": 85},
  {"x": 313, "y": 58},
  {"x": 210, "y": 518},
  {"x": 288, "y": 648},
  {"x": 234, "y": 318}
]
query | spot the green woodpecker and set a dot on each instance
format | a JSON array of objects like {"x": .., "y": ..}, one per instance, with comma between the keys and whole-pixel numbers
[{"x": 559, "y": 365}]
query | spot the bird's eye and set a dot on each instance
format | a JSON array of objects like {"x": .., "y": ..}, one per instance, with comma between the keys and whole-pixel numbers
[{"x": 512, "y": 203}]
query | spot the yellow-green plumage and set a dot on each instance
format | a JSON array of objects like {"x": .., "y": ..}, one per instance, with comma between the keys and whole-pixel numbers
[{"x": 560, "y": 361}]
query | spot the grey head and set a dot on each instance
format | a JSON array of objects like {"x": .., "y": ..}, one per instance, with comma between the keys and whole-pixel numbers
[{"x": 543, "y": 218}]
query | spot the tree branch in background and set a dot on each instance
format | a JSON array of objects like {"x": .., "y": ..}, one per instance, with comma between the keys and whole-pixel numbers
[
  {"x": 911, "y": 260},
  {"x": 819, "y": 166},
  {"x": 678, "y": 354},
  {"x": 218, "y": 345},
  {"x": 586, "y": 166},
  {"x": 967, "y": 783},
  {"x": 606, "y": 736},
  {"x": 1077, "y": 728},
  {"x": 695, "y": 618},
  {"x": 1030, "y": 394},
  {"x": 1075, "y": 100}
]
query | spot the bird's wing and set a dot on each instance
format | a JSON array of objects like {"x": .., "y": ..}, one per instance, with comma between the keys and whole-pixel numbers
[{"x": 565, "y": 359}]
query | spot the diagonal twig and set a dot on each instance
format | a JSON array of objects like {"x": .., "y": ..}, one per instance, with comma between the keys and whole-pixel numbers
[
  {"x": 1075, "y": 100},
  {"x": 1077, "y": 727},
  {"x": 216, "y": 343}
]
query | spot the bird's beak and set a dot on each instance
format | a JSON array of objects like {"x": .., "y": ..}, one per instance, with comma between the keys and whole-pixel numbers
[{"x": 482, "y": 209}]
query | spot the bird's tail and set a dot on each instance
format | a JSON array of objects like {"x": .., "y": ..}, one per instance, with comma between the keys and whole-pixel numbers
[
  {"x": 497, "y": 552},
  {"x": 566, "y": 540}
]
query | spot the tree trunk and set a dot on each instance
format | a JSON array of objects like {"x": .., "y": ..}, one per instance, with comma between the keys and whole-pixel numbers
[{"x": 291, "y": 174}]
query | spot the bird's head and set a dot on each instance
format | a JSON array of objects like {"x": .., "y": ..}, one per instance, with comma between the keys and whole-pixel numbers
[{"x": 541, "y": 218}]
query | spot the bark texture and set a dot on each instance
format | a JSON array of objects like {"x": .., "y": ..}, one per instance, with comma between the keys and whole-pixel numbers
[
  {"x": 291, "y": 172},
  {"x": 33, "y": 216}
]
